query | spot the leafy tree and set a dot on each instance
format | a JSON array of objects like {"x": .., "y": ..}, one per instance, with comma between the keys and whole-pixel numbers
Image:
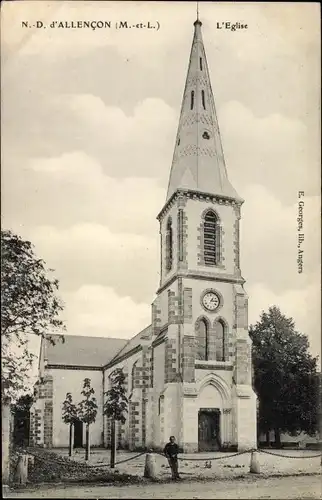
[
  {"x": 29, "y": 306},
  {"x": 87, "y": 410},
  {"x": 21, "y": 413},
  {"x": 70, "y": 416},
  {"x": 285, "y": 376},
  {"x": 115, "y": 406},
  {"x": 23, "y": 403}
]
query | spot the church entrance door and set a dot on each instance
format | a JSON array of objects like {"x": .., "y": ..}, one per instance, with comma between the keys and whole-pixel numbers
[
  {"x": 209, "y": 429},
  {"x": 78, "y": 434}
]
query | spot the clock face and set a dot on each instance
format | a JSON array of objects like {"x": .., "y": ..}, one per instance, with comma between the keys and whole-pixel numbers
[{"x": 211, "y": 301}]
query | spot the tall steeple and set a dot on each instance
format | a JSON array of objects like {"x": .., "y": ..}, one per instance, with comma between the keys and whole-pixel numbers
[{"x": 198, "y": 161}]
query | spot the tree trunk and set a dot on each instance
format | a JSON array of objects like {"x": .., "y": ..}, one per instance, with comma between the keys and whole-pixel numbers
[
  {"x": 5, "y": 421},
  {"x": 113, "y": 443},
  {"x": 87, "y": 449},
  {"x": 71, "y": 440},
  {"x": 277, "y": 438}
]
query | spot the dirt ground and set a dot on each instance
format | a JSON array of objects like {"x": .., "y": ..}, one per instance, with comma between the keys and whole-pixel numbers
[
  {"x": 304, "y": 487},
  {"x": 222, "y": 468}
]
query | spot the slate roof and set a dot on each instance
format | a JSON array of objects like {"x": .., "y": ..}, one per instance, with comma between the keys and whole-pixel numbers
[
  {"x": 84, "y": 351},
  {"x": 78, "y": 350},
  {"x": 135, "y": 341}
]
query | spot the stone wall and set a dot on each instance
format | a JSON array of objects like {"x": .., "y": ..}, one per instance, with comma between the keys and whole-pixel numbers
[
  {"x": 170, "y": 367},
  {"x": 59, "y": 381},
  {"x": 182, "y": 234},
  {"x": 138, "y": 370},
  {"x": 48, "y": 424},
  {"x": 188, "y": 359},
  {"x": 36, "y": 426},
  {"x": 41, "y": 414}
]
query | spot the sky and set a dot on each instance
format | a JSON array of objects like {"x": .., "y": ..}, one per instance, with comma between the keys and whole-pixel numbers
[{"x": 89, "y": 120}]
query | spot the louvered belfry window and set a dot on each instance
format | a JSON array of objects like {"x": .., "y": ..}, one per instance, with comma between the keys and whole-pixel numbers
[
  {"x": 180, "y": 234},
  {"x": 169, "y": 245},
  {"x": 211, "y": 239}
]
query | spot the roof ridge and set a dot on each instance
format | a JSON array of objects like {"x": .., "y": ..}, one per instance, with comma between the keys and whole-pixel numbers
[
  {"x": 124, "y": 347},
  {"x": 84, "y": 336}
]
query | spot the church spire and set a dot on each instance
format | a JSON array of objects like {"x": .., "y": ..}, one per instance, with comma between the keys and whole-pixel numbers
[{"x": 198, "y": 161}]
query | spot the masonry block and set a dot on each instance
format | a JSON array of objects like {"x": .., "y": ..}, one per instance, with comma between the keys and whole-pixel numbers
[
  {"x": 243, "y": 362},
  {"x": 187, "y": 305},
  {"x": 188, "y": 358}
]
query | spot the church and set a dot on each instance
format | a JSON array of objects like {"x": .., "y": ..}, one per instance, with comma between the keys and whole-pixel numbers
[{"x": 189, "y": 373}]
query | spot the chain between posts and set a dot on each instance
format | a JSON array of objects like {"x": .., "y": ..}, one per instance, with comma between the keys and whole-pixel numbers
[
  {"x": 73, "y": 464},
  {"x": 289, "y": 456},
  {"x": 131, "y": 458},
  {"x": 207, "y": 458}
]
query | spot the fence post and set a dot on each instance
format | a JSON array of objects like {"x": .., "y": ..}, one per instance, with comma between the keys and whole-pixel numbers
[
  {"x": 22, "y": 470},
  {"x": 149, "y": 468},
  {"x": 254, "y": 463},
  {"x": 5, "y": 422}
]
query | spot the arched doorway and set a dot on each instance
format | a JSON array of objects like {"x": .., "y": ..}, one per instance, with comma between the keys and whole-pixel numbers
[
  {"x": 209, "y": 429},
  {"x": 213, "y": 426},
  {"x": 78, "y": 434}
]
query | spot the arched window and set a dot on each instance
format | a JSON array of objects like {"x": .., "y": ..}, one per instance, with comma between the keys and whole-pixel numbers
[
  {"x": 202, "y": 340},
  {"x": 169, "y": 245},
  {"x": 212, "y": 237},
  {"x": 160, "y": 404},
  {"x": 192, "y": 99},
  {"x": 133, "y": 376},
  {"x": 200, "y": 63},
  {"x": 203, "y": 99},
  {"x": 220, "y": 340},
  {"x": 180, "y": 234}
]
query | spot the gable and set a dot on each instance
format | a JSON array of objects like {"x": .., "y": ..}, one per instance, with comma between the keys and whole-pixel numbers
[{"x": 133, "y": 343}]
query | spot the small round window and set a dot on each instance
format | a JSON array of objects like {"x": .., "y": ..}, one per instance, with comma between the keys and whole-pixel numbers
[{"x": 205, "y": 135}]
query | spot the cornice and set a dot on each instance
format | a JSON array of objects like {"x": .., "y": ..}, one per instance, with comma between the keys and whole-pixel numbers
[
  {"x": 73, "y": 367},
  {"x": 214, "y": 366},
  {"x": 200, "y": 196},
  {"x": 159, "y": 341},
  {"x": 126, "y": 355},
  {"x": 202, "y": 275}
]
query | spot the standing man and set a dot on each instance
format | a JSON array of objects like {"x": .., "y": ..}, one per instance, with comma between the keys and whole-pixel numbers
[{"x": 171, "y": 451}]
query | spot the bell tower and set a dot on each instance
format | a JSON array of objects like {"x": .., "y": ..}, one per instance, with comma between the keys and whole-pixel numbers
[{"x": 199, "y": 318}]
